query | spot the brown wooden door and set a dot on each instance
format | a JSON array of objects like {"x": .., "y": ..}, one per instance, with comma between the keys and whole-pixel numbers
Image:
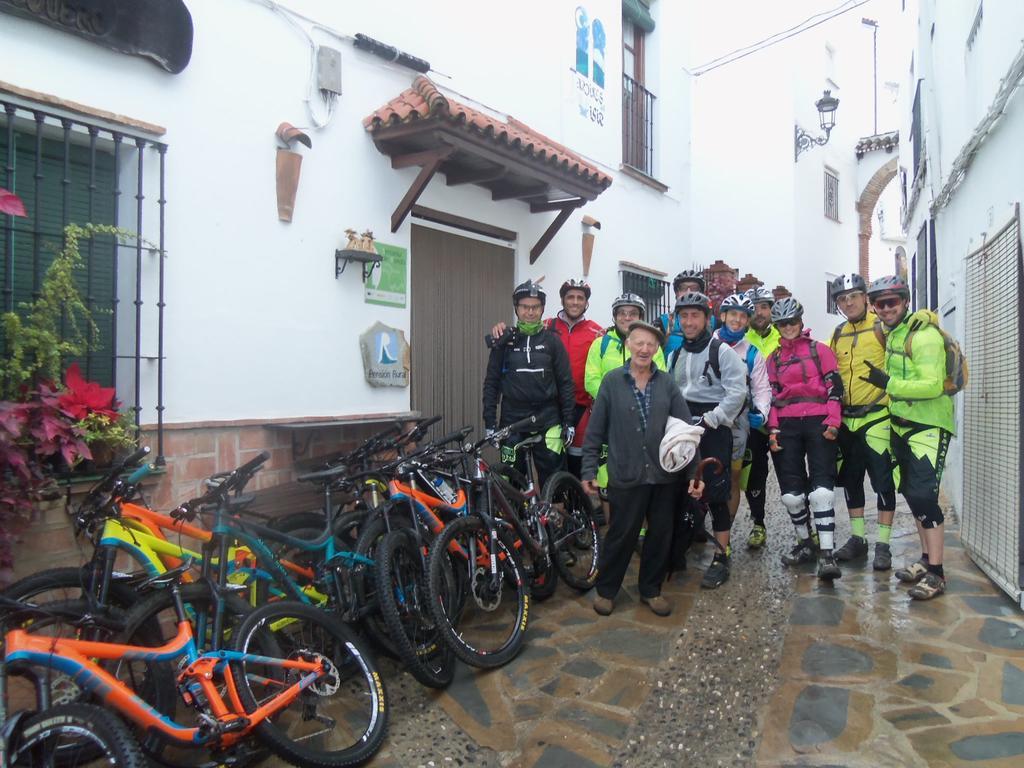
[{"x": 460, "y": 288}]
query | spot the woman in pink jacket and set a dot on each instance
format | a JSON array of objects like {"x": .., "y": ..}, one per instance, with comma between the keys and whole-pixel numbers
[{"x": 803, "y": 425}]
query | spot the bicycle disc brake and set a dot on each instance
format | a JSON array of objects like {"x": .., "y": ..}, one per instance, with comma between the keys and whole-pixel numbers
[{"x": 483, "y": 593}]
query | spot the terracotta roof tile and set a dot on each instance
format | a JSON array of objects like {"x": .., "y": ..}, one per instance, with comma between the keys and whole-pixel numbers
[{"x": 424, "y": 101}]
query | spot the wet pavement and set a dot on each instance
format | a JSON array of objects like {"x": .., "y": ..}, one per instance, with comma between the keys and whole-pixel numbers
[{"x": 773, "y": 669}]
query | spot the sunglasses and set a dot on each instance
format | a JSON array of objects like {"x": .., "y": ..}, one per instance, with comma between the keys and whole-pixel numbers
[
  {"x": 842, "y": 299},
  {"x": 786, "y": 323},
  {"x": 889, "y": 303}
]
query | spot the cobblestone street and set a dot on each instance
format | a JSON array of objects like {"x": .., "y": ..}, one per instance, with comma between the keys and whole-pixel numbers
[{"x": 773, "y": 669}]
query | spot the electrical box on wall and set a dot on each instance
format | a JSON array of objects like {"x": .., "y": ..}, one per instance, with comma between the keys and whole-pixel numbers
[{"x": 328, "y": 69}]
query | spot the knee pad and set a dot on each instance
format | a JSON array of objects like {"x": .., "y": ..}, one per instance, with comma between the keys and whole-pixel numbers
[
  {"x": 926, "y": 511},
  {"x": 822, "y": 499},
  {"x": 793, "y": 502}
]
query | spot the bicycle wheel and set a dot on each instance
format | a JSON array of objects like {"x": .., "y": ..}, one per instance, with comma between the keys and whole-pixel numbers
[
  {"x": 572, "y": 533},
  {"x": 61, "y": 584},
  {"x": 404, "y": 602},
  {"x": 78, "y": 735},
  {"x": 373, "y": 625},
  {"x": 486, "y": 625},
  {"x": 540, "y": 567},
  {"x": 337, "y": 720}
]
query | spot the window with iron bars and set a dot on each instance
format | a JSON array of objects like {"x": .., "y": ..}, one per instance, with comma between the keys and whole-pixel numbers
[
  {"x": 654, "y": 292},
  {"x": 68, "y": 170},
  {"x": 831, "y": 195}
]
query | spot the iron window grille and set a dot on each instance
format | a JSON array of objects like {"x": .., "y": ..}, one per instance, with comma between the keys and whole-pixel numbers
[
  {"x": 831, "y": 195},
  {"x": 68, "y": 170},
  {"x": 637, "y": 126},
  {"x": 655, "y": 292}
]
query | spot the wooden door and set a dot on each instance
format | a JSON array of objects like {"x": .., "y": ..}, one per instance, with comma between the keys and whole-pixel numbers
[{"x": 460, "y": 288}]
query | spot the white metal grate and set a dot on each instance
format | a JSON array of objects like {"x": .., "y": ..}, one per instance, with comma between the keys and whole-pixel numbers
[{"x": 992, "y": 516}]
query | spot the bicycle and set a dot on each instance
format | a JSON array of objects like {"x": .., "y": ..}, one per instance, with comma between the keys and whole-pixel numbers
[
  {"x": 476, "y": 554},
  {"x": 319, "y": 661},
  {"x": 63, "y": 734},
  {"x": 557, "y": 526}
]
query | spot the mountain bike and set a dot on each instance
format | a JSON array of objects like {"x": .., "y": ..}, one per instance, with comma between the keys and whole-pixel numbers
[
  {"x": 319, "y": 702},
  {"x": 59, "y": 734}
]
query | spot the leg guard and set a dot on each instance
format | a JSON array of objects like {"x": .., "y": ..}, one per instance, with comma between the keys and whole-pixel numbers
[
  {"x": 822, "y": 501},
  {"x": 795, "y": 505},
  {"x": 926, "y": 510}
]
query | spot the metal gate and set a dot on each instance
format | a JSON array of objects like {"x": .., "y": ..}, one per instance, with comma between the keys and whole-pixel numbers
[{"x": 992, "y": 518}]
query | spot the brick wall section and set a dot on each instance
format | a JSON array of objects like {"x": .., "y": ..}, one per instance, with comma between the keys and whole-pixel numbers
[{"x": 866, "y": 209}]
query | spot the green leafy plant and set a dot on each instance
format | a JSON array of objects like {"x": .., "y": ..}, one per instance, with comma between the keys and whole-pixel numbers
[{"x": 57, "y": 325}]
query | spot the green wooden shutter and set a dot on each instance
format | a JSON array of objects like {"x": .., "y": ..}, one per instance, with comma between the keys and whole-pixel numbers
[
  {"x": 96, "y": 278},
  {"x": 638, "y": 12}
]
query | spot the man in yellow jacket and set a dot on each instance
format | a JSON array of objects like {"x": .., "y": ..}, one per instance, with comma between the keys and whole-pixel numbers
[{"x": 859, "y": 342}]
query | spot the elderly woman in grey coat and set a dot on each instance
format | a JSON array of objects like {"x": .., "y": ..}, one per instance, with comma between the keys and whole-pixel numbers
[{"x": 629, "y": 416}]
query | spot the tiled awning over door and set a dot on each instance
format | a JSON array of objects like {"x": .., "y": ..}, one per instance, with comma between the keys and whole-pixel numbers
[{"x": 423, "y": 127}]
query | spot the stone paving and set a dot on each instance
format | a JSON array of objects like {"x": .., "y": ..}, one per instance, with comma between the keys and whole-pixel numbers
[{"x": 773, "y": 669}]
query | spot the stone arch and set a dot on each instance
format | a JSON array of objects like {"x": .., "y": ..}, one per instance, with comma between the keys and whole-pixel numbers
[{"x": 866, "y": 209}]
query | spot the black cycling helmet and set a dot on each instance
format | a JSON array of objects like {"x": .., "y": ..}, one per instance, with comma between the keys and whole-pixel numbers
[
  {"x": 760, "y": 295},
  {"x": 889, "y": 284},
  {"x": 787, "y": 309},
  {"x": 847, "y": 284},
  {"x": 579, "y": 285},
  {"x": 529, "y": 290},
  {"x": 739, "y": 301},
  {"x": 695, "y": 300},
  {"x": 689, "y": 275},
  {"x": 630, "y": 300}
]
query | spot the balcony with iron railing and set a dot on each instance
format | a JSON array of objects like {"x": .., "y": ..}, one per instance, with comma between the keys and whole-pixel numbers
[{"x": 637, "y": 126}]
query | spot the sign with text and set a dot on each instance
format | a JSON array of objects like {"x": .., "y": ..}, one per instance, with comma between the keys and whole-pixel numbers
[
  {"x": 387, "y": 283},
  {"x": 385, "y": 356}
]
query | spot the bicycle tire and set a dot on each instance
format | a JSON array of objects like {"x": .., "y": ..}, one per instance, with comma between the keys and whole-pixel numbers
[
  {"x": 572, "y": 531},
  {"x": 373, "y": 625},
  {"x": 95, "y": 735},
  {"x": 543, "y": 569},
  {"x": 468, "y": 622},
  {"x": 33, "y": 586},
  {"x": 354, "y": 691},
  {"x": 404, "y": 602}
]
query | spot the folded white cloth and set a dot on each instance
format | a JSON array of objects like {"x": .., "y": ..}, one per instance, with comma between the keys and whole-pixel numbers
[{"x": 679, "y": 445}]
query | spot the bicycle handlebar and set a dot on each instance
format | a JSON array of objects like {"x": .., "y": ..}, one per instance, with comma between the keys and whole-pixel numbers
[
  {"x": 137, "y": 476},
  {"x": 499, "y": 435}
]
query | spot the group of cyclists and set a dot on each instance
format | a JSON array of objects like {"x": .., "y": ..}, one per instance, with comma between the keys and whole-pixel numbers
[{"x": 874, "y": 399}]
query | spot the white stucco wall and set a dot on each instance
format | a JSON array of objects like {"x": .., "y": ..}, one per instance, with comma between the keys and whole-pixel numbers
[
  {"x": 752, "y": 205},
  {"x": 256, "y": 325},
  {"x": 958, "y": 87}
]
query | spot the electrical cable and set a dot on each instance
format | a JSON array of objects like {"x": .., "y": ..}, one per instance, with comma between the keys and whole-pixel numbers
[
  {"x": 775, "y": 38},
  {"x": 328, "y": 98}
]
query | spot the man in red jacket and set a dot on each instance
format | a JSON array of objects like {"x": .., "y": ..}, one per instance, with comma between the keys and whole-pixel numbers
[{"x": 577, "y": 334}]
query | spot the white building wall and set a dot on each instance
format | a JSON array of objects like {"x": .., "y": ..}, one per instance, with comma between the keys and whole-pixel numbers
[
  {"x": 753, "y": 206},
  {"x": 958, "y": 86},
  {"x": 256, "y": 325}
]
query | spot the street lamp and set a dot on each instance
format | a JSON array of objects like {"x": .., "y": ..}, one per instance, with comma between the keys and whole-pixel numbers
[{"x": 802, "y": 140}]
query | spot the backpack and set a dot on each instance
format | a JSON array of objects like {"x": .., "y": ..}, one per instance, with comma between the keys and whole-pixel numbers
[
  {"x": 879, "y": 333},
  {"x": 712, "y": 362},
  {"x": 956, "y": 362}
]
